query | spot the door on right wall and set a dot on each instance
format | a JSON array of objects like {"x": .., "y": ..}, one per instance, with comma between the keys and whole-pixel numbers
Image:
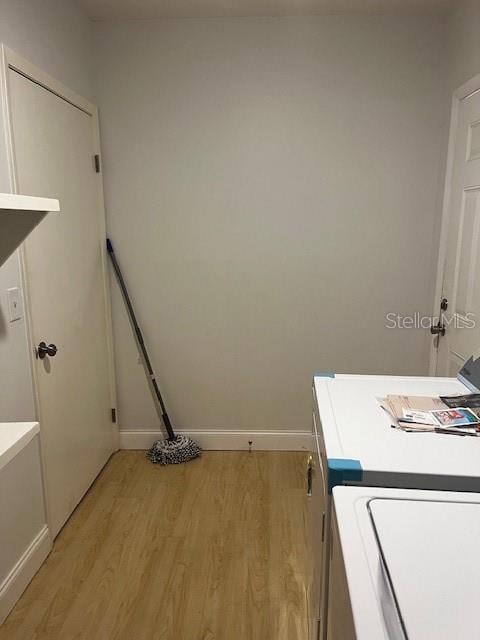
[{"x": 458, "y": 330}]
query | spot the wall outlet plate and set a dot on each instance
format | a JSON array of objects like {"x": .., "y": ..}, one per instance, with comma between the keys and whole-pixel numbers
[{"x": 15, "y": 306}]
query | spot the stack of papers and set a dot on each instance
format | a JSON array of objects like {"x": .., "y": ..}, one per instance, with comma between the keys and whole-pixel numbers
[{"x": 420, "y": 413}]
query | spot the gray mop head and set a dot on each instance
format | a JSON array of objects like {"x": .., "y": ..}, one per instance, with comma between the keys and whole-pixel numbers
[{"x": 181, "y": 449}]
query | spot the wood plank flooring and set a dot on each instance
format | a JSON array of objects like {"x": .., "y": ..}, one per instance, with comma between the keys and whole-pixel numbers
[{"x": 216, "y": 549}]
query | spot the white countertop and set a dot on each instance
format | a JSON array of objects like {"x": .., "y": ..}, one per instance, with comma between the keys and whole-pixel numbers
[
  {"x": 354, "y": 427},
  {"x": 14, "y": 436}
]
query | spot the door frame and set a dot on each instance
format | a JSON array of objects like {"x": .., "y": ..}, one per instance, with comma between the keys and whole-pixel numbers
[
  {"x": 467, "y": 89},
  {"x": 10, "y": 60}
]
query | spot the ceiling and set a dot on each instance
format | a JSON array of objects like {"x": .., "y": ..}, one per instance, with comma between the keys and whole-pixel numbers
[{"x": 145, "y": 9}]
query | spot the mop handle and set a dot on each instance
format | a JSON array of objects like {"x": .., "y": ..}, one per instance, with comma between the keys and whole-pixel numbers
[{"x": 140, "y": 340}]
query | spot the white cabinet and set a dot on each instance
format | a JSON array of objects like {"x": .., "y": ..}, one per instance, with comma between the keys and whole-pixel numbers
[{"x": 24, "y": 536}]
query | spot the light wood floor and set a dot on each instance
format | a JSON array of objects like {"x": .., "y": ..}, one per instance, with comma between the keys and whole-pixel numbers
[{"x": 216, "y": 549}]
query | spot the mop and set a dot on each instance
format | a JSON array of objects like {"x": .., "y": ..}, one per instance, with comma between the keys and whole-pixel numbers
[{"x": 176, "y": 448}]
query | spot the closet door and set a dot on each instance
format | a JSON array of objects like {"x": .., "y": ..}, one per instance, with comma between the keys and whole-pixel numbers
[{"x": 53, "y": 144}]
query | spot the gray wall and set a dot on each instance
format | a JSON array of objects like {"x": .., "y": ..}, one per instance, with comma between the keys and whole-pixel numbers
[
  {"x": 54, "y": 35},
  {"x": 273, "y": 188},
  {"x": 464, "y": 42}
]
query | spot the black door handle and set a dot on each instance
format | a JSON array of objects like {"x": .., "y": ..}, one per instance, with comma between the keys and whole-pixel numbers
[
  {"x": 438, "y": 329},
  {"x": 45, "y": 349}
]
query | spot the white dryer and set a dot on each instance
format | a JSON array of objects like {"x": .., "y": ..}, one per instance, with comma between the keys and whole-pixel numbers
[{"x": 405, "y": 565}]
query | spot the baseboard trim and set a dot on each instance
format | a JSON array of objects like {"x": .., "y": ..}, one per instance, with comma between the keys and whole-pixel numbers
[
  {"x": 20, "y": 576},
  {"x": 227, "y": 440}
]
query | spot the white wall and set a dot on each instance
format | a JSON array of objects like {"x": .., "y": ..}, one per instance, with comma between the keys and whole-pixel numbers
[
  {"x": 55, "y": 36},
  {"x": 16, "y": 395},
  {"x": 273, "y": 189},
  {"x": 464, "y": 42}
]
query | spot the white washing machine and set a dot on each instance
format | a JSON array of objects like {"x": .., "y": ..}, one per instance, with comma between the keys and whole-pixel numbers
[
  {"x": 405, "y": 565},
  {"x": 356, "y": 445}
]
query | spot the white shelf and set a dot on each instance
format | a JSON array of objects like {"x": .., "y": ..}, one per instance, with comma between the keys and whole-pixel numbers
[
  {"x": 13, "y": 202},
  {"x": 19, "y": 215},
  {"x": 14, "y": 436}
]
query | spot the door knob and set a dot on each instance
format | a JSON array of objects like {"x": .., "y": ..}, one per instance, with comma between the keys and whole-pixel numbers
[{"x": 45, "y": 349}]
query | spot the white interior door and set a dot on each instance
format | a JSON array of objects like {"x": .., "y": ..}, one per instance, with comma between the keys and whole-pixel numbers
[
  {"x": 461, "y": 273},
  {"x": 54, "y": 150}
]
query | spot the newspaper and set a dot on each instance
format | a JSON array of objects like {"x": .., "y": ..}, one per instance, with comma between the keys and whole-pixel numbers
[{"x": 398, "y": 407}]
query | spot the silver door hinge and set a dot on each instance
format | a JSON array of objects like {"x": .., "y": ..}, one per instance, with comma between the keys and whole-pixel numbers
[
  {"x": 96, "y": 159},
  {"x": 114, "y": 414}
]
